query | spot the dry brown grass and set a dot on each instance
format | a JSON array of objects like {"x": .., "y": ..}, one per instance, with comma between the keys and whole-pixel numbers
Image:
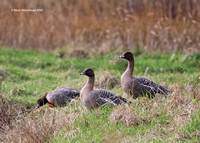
[
  {"x": 164, "y": 25},
  {"x": 177, "y": 105},
  {"x": 39, "y": 126},
  {"x": 126, "y": 116},
  {"x": 106, "y": 80},
  {"x": 166, "y": 115},
  {"x": 18, "y": 124},
  {"x": 9, "y": 113}
]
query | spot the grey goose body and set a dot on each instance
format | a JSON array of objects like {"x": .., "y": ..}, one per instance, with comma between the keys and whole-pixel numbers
[
  {"x": 58, "y": 97},
  {"x": 92, "y": 99},
  {"x": 138, "y": 86}
]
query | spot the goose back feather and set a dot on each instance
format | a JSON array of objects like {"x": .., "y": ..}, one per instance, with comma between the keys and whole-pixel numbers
[{"x": 150, "y": 83}]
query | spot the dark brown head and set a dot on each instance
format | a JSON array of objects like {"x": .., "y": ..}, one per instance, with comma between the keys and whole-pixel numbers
[
  {"x": 88, "y": 72},
  {"x": 42, "y": 101},
  {"x": 127, "y": 55}
]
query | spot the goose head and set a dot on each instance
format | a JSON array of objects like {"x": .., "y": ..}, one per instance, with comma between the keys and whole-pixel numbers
[
  {"x": 88, "y": 72},
  {"x": 42, "y": 101},
  {"x": 127, "y": 55}
]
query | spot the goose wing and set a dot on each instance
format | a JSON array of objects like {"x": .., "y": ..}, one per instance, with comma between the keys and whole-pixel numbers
[
  {"x": 105, "y": 96},
  {"x": 60, "y": 96},
  {"x": 147, "y": 90},
  {"x": 151, "y": 84},
  {"x": 72, "y": 93}
]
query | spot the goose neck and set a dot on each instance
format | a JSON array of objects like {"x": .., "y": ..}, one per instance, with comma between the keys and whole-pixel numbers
[
  {"x": 89, "y": 84},
  {"x": 130, "y": 67}
]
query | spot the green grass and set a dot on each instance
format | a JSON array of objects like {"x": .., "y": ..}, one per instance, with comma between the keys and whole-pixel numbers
[
  {"x": 192, "y": 128},
  {"x": 27, "y": 75}
]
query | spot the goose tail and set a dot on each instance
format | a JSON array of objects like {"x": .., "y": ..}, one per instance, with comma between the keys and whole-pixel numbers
[
  {"x": 163, "y": 90},
  {"x": 124, "y": 100}
]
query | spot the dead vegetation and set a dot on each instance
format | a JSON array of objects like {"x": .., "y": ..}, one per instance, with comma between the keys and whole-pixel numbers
[
  {"x": 126, "y": 116},
  {"x": 166, "y": 115},
  {"x": 176, "y": 106},
  {"x": 98, "y": 26},
  {"x": 39, "y": 126},
  {"x": 18, "y": 124},
  {"x": 107, "y": 80},
  {"x": 35, "y": 126},
  {"x": 9, "y": 111}
]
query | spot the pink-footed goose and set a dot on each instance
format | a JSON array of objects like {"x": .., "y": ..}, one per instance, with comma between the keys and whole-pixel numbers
[
  {"x": 138, "y": 86},
  {"x": 58, "y": 97},
  {"x": 92, "y": 99}
]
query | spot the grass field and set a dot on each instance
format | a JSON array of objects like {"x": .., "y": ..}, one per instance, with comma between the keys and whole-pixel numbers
[{"x": 27, "y": 75}]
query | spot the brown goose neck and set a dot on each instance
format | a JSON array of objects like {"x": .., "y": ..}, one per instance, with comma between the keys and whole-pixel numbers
[
  {"x": 130, "y": 67},
  {"x": 90, "y": 82}
]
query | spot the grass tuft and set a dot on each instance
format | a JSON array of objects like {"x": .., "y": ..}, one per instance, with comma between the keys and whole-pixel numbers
[
  {"x": 125, "y": 116},
  {"x": 38, "y": 126},
  {"x": 107, "y": 80}
]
